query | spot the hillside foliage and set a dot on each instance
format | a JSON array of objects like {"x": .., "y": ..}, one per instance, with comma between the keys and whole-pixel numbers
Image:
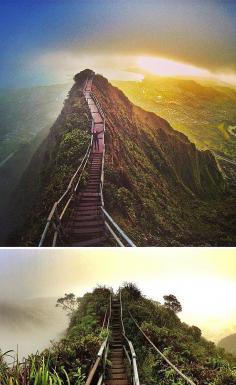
[{"x": 69, "y": 360}]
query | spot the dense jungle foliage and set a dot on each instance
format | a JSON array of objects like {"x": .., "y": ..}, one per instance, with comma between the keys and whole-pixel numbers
[{"x": 69, "y": 360}]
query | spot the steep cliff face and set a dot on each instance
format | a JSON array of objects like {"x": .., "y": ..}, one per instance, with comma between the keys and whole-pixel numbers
[
  {"x": 50, "y": 169},
  {"x": 158, "y": 186},
  {"x": 195, "y": 171}
]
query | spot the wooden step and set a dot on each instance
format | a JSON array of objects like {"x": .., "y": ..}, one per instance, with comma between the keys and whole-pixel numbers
[
  {"x": 81, "y": 217},
  {"x": 117, "y": 366},
  {"x": 84, "y": 194},
  {"x": 118, "y": 371},
  {"x": 89, "y": 230},
  {"x": 91, "y": 200},
  {"x": 116, "y": 346},
  {"x": 78, "y": 224},
  {"x": 90, "y": 242},
  {"x": 116, "y": 351},
  {"x": 93, "y": 189},
  {"x": 117, "y": 361},
  {"x": 89, "y": 205},
  {"x": 117, "y": 376},
  {"x": 94, "y": 180},
  {"x": 88, "y": 210},
  {"x": 117, "y": 382}
]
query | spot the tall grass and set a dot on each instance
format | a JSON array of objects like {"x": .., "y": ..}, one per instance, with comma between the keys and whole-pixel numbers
[{"x": 35, "y": 370}]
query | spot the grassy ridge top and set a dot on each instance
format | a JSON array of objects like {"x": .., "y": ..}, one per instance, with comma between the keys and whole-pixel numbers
[{"x": 69, "y": 360}]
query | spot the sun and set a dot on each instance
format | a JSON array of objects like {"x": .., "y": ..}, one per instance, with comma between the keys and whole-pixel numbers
[{"x": 167, "y": 67}]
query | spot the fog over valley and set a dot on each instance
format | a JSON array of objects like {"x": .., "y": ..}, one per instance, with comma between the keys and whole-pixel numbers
[{"x": 31, "y": 324}]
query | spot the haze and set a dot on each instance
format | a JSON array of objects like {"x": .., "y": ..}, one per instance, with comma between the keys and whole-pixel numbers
[
  {"x": 48, "y": 41},
  {"x": 204, "y": 280}
]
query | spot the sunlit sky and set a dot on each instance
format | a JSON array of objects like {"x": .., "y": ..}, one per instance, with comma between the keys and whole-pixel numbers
[
  {"x": 203, "y": 279},
  {"x": 48, "y": 41}
]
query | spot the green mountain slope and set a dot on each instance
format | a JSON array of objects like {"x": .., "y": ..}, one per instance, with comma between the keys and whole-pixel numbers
[
  {"x": 72, "y": 357},
  {"x": 158, "y": 186},
  {"x": 205, "y": 113},
  {"x": 228, "y": 343},
  {"x": 25, "y": 112},
  {"x": 26, "y": 117}
]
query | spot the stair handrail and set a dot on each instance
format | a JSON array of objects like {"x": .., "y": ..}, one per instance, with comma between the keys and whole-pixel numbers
[
  {"x": 132, "y": 358},
  {"x": 114, "y": 228},
  {"x": 122, "y": 239},
  {"x": 54, "y": 217},
  {"x": 188, "y": 380},
  {"x": 98, "y": 105},
  {"x": 102, "y": 354}
]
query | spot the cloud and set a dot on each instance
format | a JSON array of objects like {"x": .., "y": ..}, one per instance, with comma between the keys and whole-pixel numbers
[
  {"x": 202, "y": 279},
  {"x": 201, "y": 33},
  {"x": 61, "y": 66}
]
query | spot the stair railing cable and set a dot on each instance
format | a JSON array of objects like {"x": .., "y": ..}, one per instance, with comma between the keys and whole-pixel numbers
[
  {"x": 60, "y": 206},
  {"x": 58, "y": 210},
  {"x": 129, "y": 350},
  {"x": 188, "y": 380},
  {"x": 94, "y": 377}
]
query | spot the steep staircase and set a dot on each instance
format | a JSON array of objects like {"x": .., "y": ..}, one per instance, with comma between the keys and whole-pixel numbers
[
  {"x": 86, "y": 226},
  {"x": 78, "y": 218},
  {"x": 117, "y": 373}
]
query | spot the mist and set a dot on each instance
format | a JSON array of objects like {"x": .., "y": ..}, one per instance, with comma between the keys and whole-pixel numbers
[{"x": 28, "y": 326}]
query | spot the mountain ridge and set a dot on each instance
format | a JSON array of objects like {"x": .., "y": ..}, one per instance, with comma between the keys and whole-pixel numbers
[
  {"x": 228, "y": 343},
  {"x": 148, "y": 166}
]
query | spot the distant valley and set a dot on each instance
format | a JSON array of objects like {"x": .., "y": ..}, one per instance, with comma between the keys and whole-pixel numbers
[
  {"x": 30, "y": 325},
  {"x": 206, "y": 113},
  {"x": 26, "y": 116}
]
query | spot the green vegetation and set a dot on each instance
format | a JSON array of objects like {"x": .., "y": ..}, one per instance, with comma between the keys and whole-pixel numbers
[
  {"x": 66, "y": 362},
  {"x": 158, "y": 187},
  {"x": 27, "y": 111},
  {"x": 203, "y": 112},
  {"x": 69, "y": 360},
  {"x": 50, "y": 170},
  {"x": 182, "y": 344},
  {"x": 229, "y": 343}
]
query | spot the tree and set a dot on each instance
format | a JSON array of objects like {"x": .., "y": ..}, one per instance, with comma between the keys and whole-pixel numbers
[
  {"x": 69, "y": 303},
  {"x": 131, "y": 290},
  {"x": 172, "y": 303},
  {"x": 195, "y": 332}
]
